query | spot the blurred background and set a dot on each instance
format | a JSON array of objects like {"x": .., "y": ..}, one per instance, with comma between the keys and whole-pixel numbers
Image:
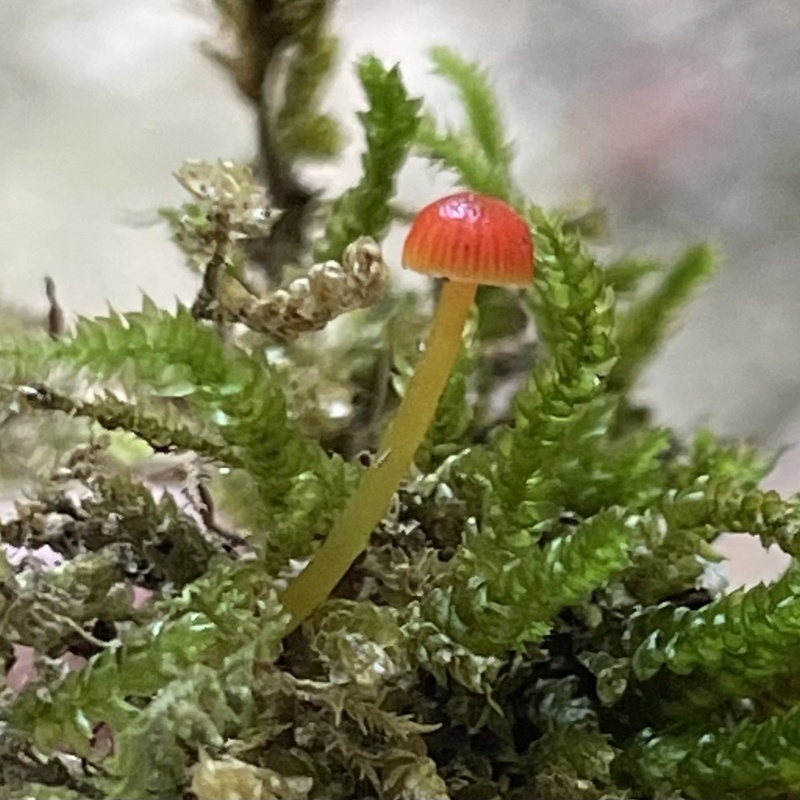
[{"x": 681, "y": 118}]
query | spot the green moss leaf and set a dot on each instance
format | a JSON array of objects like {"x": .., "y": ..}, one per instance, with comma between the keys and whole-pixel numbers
[
  {"x": 480, "y": 154},
  {"x": 745, "y": 759},
  {"x": 642, "y": 329},
  {"x": 390, "y": 124},
  {"x": 739, "y": 643},
  {"x": 564, "y": 407}
]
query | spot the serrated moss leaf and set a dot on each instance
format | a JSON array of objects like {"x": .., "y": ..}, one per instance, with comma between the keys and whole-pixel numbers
[{"x": 389, "y": 126}]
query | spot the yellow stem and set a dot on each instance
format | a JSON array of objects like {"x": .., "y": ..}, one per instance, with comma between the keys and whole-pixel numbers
[{"x": 370, "y": 502}]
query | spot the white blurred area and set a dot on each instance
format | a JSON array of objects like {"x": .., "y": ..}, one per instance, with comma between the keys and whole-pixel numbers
[{"x": 681, "y": 117}]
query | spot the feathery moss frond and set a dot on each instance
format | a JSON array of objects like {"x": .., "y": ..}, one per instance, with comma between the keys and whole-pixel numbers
[
  {"x": 172, "y": 357},
  {"x": 452, "y": 151},
  {"x": 740, "y": 642},
  {"x": 162, "y": 430},
  {"x": 389, "y": 126},
  {"x": 301, "y": 131},
  {"x": 748, "y": 759},
  {"x": 228, "y": 609},
  {"x": 626, "y": 275},
  {"x": 724, "y": 506},
  {"x": 480, "y": 154},
  {"x": 492, "y": 601},
  {"x": 719, "y": 459},
  {"x": 641, "y": 330},
  {"x": 479, "y": 102},
  {"x": 565, "y": 398}
]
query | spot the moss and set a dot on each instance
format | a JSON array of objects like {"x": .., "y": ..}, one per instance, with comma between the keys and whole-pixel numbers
[{"x": 527, "y": 620}]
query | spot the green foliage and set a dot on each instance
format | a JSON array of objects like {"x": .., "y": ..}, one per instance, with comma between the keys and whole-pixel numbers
[
  {"x": 479, "y": 154},
  {"x": 195, "y": 662},
  {"x": 564, "y": 401},
  {"x": 757, "y": 643},
  {"x": 302, "y": 132},
  {"x": 745, "y": 759},
  {"x": 46, "y": 610},
  {"x": 178, "y": 358},
  {"x": 534, "y": 617},
  {"x": 123, "y": 527},
  {"x": 626, "y": 275},
  {"x": 496, "y": 602},
  {"x": 644, "y": 326},
  {"x": 573, "y": 758},
  {"x": 389, "y": 125},
  {"x": 229, "y": 395}
]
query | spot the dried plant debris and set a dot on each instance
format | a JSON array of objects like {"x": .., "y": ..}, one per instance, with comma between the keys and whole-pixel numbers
[
  {"x": 230, "y": 777},
  {"x": 535, "y": 614},
  {"x": 331, "y": 289},
  {"x": 280, "y": 55},
  {"x": 230, "y": 207}
]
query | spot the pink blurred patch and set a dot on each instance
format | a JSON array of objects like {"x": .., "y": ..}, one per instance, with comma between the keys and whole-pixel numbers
[
  {"x": 23, "y": 669},
  {"x": 141, "y": 596},
  {"x": 658, "y": 124}
]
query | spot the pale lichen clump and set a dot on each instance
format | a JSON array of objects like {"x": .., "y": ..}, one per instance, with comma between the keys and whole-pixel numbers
[
  {"x": 237, "y": 780},
  {"x": 228, "y": 205},
  {"x": 329, "y": 290}
]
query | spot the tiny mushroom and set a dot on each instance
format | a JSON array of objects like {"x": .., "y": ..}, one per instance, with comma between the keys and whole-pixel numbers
[{"x": 468, "y": 239}]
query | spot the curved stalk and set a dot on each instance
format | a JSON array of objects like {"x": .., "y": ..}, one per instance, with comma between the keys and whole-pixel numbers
[{"x": 373, "y": 497}]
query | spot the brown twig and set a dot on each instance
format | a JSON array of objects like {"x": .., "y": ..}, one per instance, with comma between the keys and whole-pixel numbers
[
  {"x": 263, "y": 38},
  {"x": 55, "y": 315}
]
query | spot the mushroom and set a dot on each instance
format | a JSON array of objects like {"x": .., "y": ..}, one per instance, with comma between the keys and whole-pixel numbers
[{"x": 468, "y": 239}]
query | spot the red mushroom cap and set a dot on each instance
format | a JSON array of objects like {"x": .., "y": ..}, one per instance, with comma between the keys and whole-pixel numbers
[{"x": 472, "y": 238}]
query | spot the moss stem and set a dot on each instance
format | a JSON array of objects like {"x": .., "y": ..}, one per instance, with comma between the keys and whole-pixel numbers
[{"x": 370, "y": 502}]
